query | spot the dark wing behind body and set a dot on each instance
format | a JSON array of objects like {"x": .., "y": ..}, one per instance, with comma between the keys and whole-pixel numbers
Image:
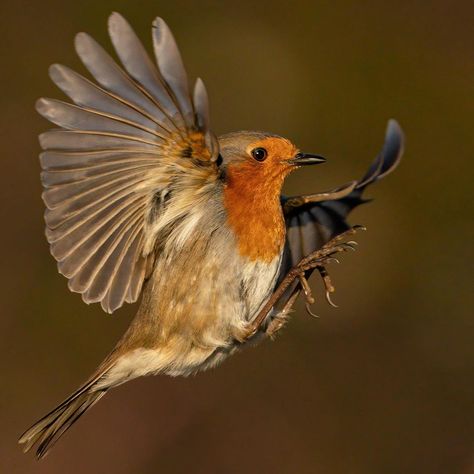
[{"x": 313, "y": 220}]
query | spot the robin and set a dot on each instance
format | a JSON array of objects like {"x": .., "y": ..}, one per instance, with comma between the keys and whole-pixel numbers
[{"x": 143, "y": 200}]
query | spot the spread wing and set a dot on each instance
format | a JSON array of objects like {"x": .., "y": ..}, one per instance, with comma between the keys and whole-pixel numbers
[
  {"x": 113, "y": 173},
  {"x": 313, "y": 220}
]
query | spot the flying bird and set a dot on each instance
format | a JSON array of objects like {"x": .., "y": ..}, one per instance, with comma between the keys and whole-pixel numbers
[{"x": 144, "y": 201}]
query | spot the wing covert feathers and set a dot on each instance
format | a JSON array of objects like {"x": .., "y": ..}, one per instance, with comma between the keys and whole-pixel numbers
[{"x": 128, "y": 138}]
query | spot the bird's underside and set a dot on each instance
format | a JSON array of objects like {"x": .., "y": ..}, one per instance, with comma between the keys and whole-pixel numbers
[{"x": 135, "y": 193}]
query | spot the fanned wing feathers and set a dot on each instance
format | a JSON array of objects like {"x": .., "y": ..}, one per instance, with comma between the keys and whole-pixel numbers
[
  {"x": 126, "y": 141},
  {"x": 172, "y": 67},
  {"x": 137, "y": 62},
  {"x": 313, "y": 220}
]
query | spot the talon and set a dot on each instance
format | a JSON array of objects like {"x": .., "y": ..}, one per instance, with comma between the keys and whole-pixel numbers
[
  {"x": 308, "y": 310},
  {"x": 329, "y": 300},
  {"x": 348, "y": 246},
  {"x": 319, "y": 259},
  {"x": 328, "y": 285}
]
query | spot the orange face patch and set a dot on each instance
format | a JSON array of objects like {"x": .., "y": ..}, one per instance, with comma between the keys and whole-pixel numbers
[
  {"x": 252, "y": 199},
  {"x": 279, "y": 149}
]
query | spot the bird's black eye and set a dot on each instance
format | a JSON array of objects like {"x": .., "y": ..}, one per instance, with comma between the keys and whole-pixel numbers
[{"x": 260, "y": 154}]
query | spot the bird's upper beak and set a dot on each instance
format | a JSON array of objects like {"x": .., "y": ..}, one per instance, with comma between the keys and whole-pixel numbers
[{"x": 303, "y": 159}]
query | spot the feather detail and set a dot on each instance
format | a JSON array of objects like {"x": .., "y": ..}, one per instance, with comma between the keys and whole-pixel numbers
[
  {"x": 124, "y": 144},
  {"x": 313, "y": 220}
]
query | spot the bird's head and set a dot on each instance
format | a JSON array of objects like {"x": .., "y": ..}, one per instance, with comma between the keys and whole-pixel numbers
[
  {"x": 261, "y": 161},
  {"x": 254, "y": 166}
]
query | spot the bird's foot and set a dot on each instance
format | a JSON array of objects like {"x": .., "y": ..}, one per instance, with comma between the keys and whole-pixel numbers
[
  {"x": 319, "y": 259},
  {"x": 314, "y": 261}
]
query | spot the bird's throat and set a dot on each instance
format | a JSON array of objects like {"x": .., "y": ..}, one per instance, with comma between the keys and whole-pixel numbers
[{"x": 254, "y": 214}]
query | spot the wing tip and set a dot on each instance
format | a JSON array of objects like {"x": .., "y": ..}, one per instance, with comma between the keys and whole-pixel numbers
[
  {"x": 53, "y": 68},
  {"x": 81, "y": 36},
  {"x": 394, "y": 146},
  {"x": 50, "y": 109},
  {"x": 115, "y": 22},
  {"x": 42, "y": 106},
  {"x": 87, "y": 299},
  {"x": 43, "y": 140},
  {"x": 106, "y": 308},
  {"x": 57, "y": 73},
  {"x": 159, "y": 23},
  {"x": 389, "y": 157},
  {"x": 394, "y": 131},
  {"x": 81, "y": 42},
  {"x": 162, "y": 33},
  {"x": 201, "y": 104},
  {"x": 394, "y": 125},
  {"x": 115, "y": 16}
]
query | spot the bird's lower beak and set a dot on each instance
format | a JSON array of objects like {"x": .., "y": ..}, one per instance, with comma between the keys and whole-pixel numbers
[{"x": 303, "y": 159}]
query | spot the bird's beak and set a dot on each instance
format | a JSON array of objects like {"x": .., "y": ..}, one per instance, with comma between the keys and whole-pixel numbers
[{"x": 303, "y": 159}]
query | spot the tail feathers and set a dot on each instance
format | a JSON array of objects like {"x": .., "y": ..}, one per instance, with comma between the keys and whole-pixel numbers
[{"x": 51, "y": 427}]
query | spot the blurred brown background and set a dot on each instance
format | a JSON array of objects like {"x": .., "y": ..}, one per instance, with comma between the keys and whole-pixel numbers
[{"x": 384, "y": 384}]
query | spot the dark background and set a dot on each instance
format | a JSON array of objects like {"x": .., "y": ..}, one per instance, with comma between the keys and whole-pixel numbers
[{"x": 384, "y": 384}]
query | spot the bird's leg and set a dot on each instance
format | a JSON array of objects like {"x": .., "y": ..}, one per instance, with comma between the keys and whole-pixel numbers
[
  {"x": 315, "y": 260},
  {"x": 282, "y": 317}
]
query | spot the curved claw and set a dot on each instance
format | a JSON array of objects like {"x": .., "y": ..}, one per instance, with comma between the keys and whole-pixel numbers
[
  {"x": 329, "y": 300},
  {"x": 347, "y": 246},
  {"x": 351, "y": 246},
  {"x": 308, "y": 309}
]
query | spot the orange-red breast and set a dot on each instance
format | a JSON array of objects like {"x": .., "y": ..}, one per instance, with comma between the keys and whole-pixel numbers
[{"x": 143, "y": 199}]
